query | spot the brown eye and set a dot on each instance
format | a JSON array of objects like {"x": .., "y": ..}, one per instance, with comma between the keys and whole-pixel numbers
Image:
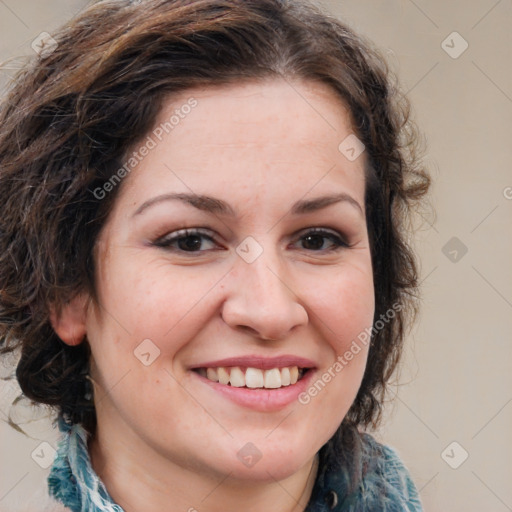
[
  {"x": 186, "y": 240},
  {"x": 315, "y": 239}
]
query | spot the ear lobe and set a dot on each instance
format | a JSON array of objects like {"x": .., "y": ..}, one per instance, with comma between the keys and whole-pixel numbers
[{"x": 70, "y": 324}]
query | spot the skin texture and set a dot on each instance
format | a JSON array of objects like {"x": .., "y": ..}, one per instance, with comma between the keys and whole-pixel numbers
[{"x": 164, "y": 437}]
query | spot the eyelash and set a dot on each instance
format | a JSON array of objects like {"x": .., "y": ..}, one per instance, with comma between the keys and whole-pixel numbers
[{"x": 167, "y": 241}]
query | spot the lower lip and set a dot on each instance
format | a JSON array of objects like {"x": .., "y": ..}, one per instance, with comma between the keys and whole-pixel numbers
[{"x": 263, "y": 400}]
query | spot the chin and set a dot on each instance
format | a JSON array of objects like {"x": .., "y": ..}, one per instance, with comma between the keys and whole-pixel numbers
[
  {"x": 268, "y": 462},
  {"x": 270, "y": 470}
]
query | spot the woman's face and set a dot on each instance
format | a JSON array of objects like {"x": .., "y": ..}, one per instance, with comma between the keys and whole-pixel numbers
[{"x": 250, "y": 286}]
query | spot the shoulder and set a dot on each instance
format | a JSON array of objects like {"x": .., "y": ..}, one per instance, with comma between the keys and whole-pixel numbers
[
  {"x": 387, "y": 476},
  {"x": 359, "y": 474}
]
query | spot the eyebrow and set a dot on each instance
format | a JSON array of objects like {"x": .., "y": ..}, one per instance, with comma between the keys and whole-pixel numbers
[{"x": 219, "y": 207}]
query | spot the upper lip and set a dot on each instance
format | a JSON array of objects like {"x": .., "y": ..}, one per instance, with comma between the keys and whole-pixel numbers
[{"x": 261, "y": 362}]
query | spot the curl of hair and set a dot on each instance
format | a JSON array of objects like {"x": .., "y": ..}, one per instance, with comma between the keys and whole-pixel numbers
[{"x": 71, "y": 118}]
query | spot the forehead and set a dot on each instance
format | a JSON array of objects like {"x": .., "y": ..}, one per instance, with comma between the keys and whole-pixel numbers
[
  {"x": 253, "y": 139},
  {"x": 256, "y": 111}
]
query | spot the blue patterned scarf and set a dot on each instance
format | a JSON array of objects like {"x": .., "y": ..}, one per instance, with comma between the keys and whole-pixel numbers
[
  {"x": 72, "y": 479},
  {"x": 374, "y": 479}
]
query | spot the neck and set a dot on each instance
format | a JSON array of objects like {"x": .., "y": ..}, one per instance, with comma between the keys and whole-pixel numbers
[{"x": 154, "y": 483}]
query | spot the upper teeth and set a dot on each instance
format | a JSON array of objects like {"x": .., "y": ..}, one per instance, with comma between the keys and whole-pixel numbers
[{"x": 253, "y": 377}]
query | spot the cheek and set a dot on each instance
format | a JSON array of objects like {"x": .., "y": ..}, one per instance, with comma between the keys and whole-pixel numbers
[
  {"x": 343, "y": 318},
  {"x": 343, "y": 304},
  {"x": 143, "y": 299}
]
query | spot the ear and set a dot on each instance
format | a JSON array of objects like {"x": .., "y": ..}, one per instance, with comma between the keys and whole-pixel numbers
[{"x": 70, "y": 323}]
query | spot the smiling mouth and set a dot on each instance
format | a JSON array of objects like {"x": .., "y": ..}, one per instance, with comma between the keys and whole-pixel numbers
[{"x": 253, "y": 378}]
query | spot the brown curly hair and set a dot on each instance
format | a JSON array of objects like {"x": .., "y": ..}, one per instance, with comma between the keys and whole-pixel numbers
[{"x": 73, "y": 114}]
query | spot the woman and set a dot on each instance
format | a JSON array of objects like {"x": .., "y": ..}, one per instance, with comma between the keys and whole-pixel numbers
[{"x": 239, "y": 370}]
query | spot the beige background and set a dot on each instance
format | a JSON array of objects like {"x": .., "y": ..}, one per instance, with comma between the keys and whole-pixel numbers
[{"x": 457, "y": 376}]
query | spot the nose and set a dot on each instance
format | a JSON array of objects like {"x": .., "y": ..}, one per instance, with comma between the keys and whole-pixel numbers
[{"x": 261, "y": 300}]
